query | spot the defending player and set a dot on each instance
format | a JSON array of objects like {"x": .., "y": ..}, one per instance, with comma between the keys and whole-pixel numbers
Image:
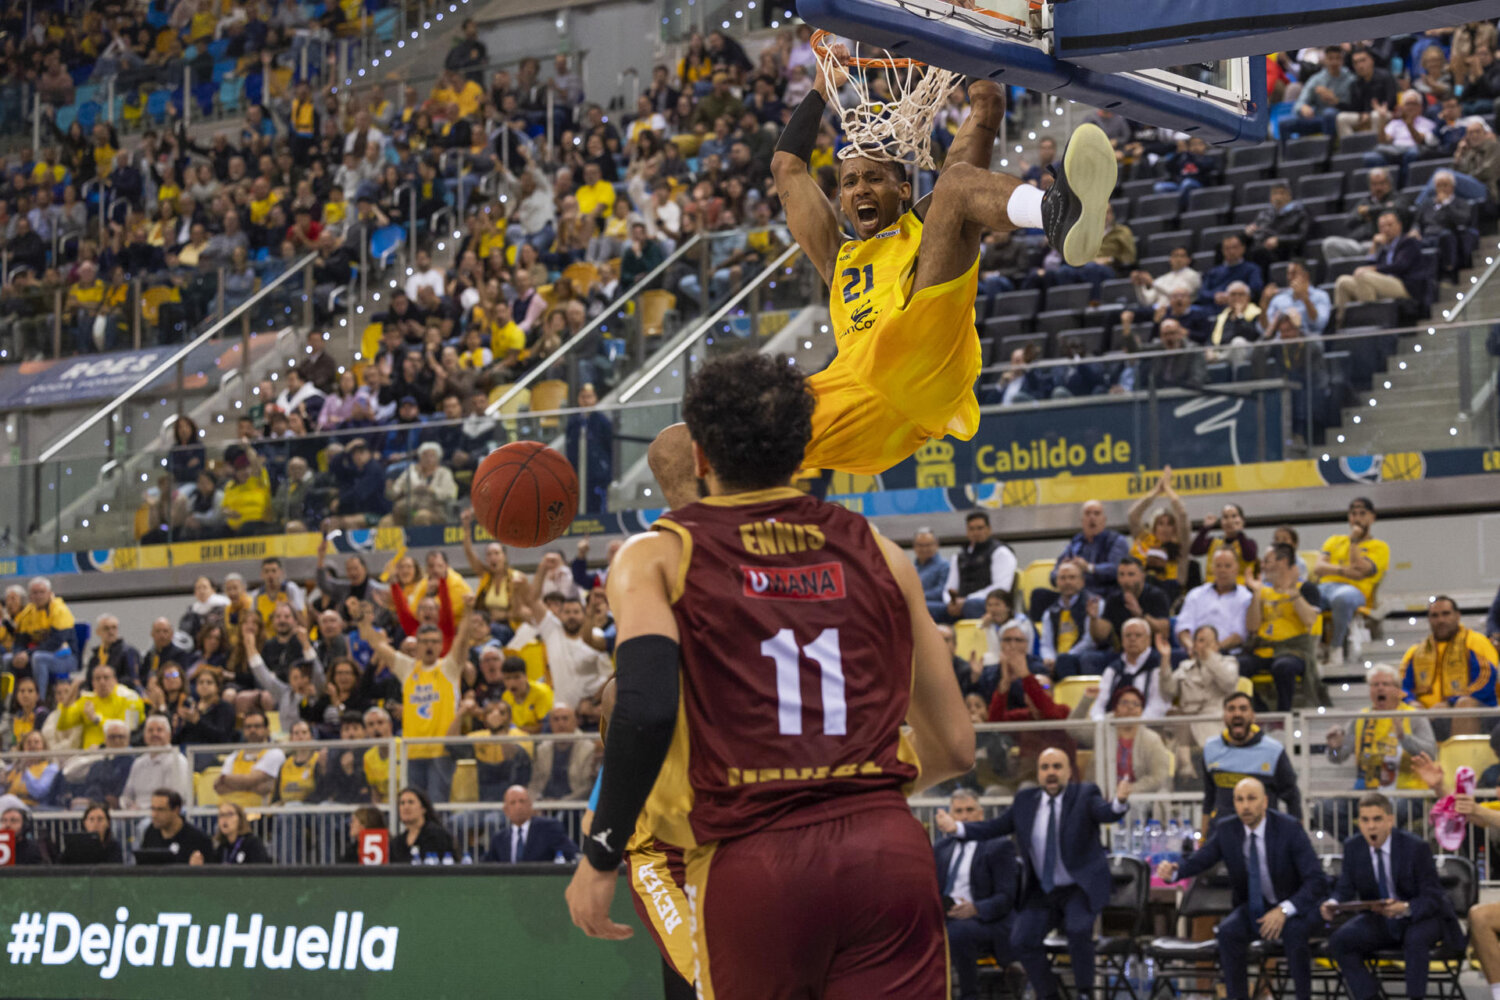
[
  {"x": 901, "y": 293},
  {"x": 770, "y": 649}
]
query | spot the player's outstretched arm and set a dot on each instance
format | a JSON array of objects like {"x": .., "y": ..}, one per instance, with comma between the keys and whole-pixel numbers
[
  {"x": 641, "y": 725},
  {"x": 811, "y": 219},
  {"x": 942, "y": 731}
]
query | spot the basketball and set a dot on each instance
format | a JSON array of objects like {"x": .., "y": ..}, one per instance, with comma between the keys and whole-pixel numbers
[{"x": 525, "y": 494}]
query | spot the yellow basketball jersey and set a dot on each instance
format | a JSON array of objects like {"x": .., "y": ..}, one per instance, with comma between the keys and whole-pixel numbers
[
  {"x": 429, "y": 702},
  {"x": 244, "y": 764},
  {"x": 872, "y": 277},
  {"x": 1278, "y": 616},
  {"x": 907, "y": 361},
  {"x": 377, "y": 772},
  {"x": 297, "y": 780}
]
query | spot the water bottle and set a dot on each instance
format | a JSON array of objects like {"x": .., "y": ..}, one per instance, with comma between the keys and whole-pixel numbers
[
  {"x": 1155, "y": 838},
  {"x": 1483, "y": 864},
  {"x": 430, "y": 858},
  {"x": 1150, "y": 975},
  {"x": 558, "y": 859},
  {"x": 447, "y": 858},
  {"x": 468, "y": 858},
  {"x": 1117, "y": 837},
  {"x": 1133, "y": 973},
  {"x": 1174, "y": 837},
  {"x": 416, "y": 858},
  {"x": 1137, "y": 841}
]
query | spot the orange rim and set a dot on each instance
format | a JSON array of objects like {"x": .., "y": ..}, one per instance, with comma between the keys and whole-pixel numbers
[{"x": 821, "y": 39}]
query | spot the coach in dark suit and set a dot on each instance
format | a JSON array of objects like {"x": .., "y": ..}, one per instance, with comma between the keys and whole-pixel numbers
[
  {"x": 1068, "y": 881},
  {"x": 1396, "y": 867},
  {"x": 1277, "y": 880},
  {"x": 979, "y": 880},
  {"x": 527, "y": 836}
]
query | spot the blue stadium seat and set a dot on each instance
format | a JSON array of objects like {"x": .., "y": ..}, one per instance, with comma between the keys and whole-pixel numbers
[{"x": 385, "y": 242}]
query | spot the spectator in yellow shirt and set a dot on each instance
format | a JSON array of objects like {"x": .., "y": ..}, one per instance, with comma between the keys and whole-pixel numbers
[
  {"x": 596, "y": 196},
  {"x": 1350, "y": 569},
  {"x": 530, "y": 701},
  {"x": 247, "y": 497},
  {"x": 92, "y": 709},
  {"x": 44, "y": 637}
]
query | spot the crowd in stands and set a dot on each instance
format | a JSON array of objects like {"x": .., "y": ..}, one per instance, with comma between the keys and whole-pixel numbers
[
  {"x": 1163, "y": 634},
  {"x": 418, "y": 652}
]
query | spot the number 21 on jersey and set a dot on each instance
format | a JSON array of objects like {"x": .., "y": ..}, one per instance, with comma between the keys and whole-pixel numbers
[
  {"x": 852, "y": 289},
  {"x": 782, "y": 649}
]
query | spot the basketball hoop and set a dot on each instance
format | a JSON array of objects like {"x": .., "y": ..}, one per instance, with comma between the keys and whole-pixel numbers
[{"x": 898, "y": 129}]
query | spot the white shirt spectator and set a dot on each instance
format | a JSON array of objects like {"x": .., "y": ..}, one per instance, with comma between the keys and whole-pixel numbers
[
  {"x": 167, "y": 767},
  {"x": 287, "y": 402},
  {"x": 372, "y": 134},
  {"x": 1002, "y": 574},
  {"x": 1159, "y": 292},
  {"x": 578, "y": 670},
  {"x": 1400, "y": 135},
  {"x": 1204, "y": 605},
  {"x": 269, "y": 762},
  {"x": 992, "y": 633},
  {"x": 432, "y": 278},
  {"x": 1156, "y": 703}
]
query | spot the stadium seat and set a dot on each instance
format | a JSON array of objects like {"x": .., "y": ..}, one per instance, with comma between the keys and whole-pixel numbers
[
  {"x": 1008, "y": 345},
  {"x": 1023, "y": 303},
  {"x": 1246, "y": 214},
  {"x": 1461, "y": 883},
  {"x": 1221, "y": 197},
  {"x": 1155, "y": 266},
  {"x": 1257, "y": 192},
  {"x": 998, "y": 328},
  {"x": 1346, "y": 163},
  {"x": 1074, "y": 297},
  {"x": 1473, "y": 751},
  {"x": 1308, "y": 147},
  {"x": 1056, "y": 321},
  {"x": 1157, "y": 204},
  {"x": 1336, "y": 268},
  {"x": 1240, "y": 177},
  {"x": 465, "y": 782},
  {"x": 1070, "y": 690},
  {"x": 1292, "y": 170},
  {"x": 1200, "y": 219},
  {"x": 1209, "y": 239},
  {"x": 1419, "y": 173},
  {"x": 968, "y": 639},
  {"x": 1208, "y": 895},
  {"x": 1149, "y": 225},
  {"x": 656, "y": 304},
  {"x": 1162, "y": 244},
  {"x": 1117, "y": 290},
  {"x": 1332, "y": 224},
  {"x": 1358, "y": 142},
  {"x": 1320, "y": 186},
  {"x": 1261, "y": 156},
  {"x": 1090, "y": 339},
  {"x": 1381, "y": 313}
]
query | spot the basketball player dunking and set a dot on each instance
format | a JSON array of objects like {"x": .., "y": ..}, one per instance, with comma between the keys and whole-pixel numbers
[
  {"x": 901, "y": 293},
  {"x": 771, "y": 647}
]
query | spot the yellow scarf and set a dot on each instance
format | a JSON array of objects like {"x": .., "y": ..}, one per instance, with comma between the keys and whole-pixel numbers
[
  {"x": 1438, "y": 677},
  {"x": 1379, "y": 757}
]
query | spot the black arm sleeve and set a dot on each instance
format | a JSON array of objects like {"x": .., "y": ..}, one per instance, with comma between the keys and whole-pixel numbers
[
  {"x": 800, "y": 135},
  {"x": 640, "y": 734}
]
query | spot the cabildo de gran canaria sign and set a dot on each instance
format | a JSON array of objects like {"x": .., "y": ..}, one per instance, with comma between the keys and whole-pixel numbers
[{"x": 255, "y": 932}]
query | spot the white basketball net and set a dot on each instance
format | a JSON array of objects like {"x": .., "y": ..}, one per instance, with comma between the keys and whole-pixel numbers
[{"x": 897, "y": 129}]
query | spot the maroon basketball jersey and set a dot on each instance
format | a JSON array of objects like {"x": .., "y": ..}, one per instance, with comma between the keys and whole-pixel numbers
[{"x": 796, "y": 662}]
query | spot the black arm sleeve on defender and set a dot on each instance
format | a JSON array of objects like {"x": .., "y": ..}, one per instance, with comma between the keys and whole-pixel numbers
[
  {"x": 640, "y": 734},
  {"x": 800, "y": 135}
]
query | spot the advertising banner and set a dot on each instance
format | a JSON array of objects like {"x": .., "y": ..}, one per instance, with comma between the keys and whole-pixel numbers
[
  {"x": 70, "y": 381},
  {"x": 1102, "y": 435},
  {"x": 317, "y": 933}
]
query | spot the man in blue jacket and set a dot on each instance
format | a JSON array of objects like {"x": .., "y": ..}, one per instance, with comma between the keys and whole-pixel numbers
[
  {"x": 1394, "y": 869},
  {"x": 1397, "y": 268},
  {"x": 527, "y": 836},
  {"x": 979, "y": 880},
  {"x": 1277, "y": 881},
  {"x": 1068, "y": 882}
]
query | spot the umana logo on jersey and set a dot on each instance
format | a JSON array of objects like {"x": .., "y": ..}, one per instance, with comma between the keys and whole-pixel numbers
[{"x": 818, "y": 582}]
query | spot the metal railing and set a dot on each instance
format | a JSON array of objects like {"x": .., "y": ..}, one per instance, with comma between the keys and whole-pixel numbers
[
  {"x": 176, "y": 359},
  {"x": 313, "y": 832}
]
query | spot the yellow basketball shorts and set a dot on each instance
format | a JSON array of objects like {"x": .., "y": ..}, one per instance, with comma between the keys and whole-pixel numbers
[{"x": 908, "y": 380}]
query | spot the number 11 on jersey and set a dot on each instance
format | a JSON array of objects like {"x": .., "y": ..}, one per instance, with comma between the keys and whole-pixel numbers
[{"x": 782, "y": 649}]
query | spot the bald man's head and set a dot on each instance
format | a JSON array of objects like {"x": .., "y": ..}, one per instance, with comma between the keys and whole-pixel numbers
[
  {"x": 671, "y": 459},
  {"x": 1250, "y": 801},
  {"x": 1053, "y": 770}
]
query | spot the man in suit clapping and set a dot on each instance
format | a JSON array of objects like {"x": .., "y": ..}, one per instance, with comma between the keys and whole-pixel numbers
[
  {"x": 1396, "y": 869},
  {"x": 1068, "y": 880},
  {"x": 979, "y": 881},
  {"x": 1277, "y": 886}
]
